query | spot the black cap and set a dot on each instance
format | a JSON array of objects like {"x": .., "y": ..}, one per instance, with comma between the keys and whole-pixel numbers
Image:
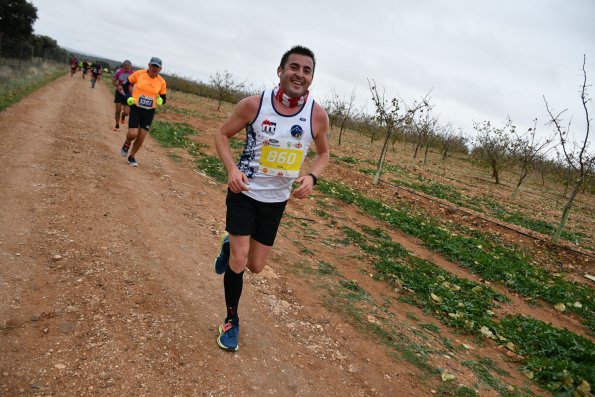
[{"x": 155, "y": 61}]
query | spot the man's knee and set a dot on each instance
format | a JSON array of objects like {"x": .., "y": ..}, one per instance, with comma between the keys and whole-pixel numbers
[{"x": 256, "y": 267}]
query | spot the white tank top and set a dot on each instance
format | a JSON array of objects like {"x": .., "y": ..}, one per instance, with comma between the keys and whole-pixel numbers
[{"x": 276, "y": 146}]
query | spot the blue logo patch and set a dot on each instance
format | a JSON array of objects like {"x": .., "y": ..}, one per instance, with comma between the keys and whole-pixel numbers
[{"x": 297, "y": 132}]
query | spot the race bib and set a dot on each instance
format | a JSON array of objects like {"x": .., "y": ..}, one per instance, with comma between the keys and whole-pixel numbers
[
  {"x": 145, "y": 102},
  {"x": 281, "y": 161}
]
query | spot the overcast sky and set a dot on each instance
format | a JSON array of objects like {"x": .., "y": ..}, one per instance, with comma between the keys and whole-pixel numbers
[{"x": 483, "y": 60}]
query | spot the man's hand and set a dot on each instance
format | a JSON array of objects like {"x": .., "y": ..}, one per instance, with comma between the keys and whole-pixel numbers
[
  {"x": 306, "y": 186},
  {"x": 237, "y": 181}
]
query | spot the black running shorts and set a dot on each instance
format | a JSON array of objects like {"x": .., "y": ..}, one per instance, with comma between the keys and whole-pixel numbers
[
  {"x": 249, "y": 217},
  {"x": 119, "y": 98},
  {"x": 140, "y": 118}
]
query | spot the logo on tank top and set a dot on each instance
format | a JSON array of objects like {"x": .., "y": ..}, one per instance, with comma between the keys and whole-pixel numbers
[
  {"x": 268, "y": 127},
  {"x": 297, "y": 132}
]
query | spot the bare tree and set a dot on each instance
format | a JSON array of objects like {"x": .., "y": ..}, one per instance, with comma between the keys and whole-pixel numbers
[
  {"x": 577, "y": 155},
  {"x": 528, "y": 151},
  {"x": 492, "y": 145},
  {"x": 392, "y": 115},
  {"x": 451, "y": 140},
  {"x": 423, "y": 127},
  {"x": 342, "y": 110},
  {"x": 225, "y": 87}
]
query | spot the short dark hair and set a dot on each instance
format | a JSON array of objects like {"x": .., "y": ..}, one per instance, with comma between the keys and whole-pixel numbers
[{"x": 300, "y": 50}]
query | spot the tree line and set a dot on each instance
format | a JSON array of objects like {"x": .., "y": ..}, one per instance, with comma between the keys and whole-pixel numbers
[{"x": 17, "y": 39}]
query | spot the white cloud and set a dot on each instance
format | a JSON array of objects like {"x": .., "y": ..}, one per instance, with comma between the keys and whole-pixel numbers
[{"x": 482, "y": 59}]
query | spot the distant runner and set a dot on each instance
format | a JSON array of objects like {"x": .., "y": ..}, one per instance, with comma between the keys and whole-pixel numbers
[
  {"x": 119, "y": 80},
  {"x": 74, "y": 63},
  {"x": 86, "y": 67},
  {"x": 96, "y": 73},
  {"x": 148, "y": 92}
]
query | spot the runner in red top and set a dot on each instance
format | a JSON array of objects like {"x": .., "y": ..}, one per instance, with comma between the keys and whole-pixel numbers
[
  {"x": 120, "y": 80},
  {"x": 74, "y": 63}
]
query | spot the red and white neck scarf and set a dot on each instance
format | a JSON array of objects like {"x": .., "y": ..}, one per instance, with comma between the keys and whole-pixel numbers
[{"x": 287, "y": 101}]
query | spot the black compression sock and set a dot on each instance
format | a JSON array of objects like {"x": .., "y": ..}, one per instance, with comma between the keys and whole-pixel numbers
[{"x": 233, "y": 284}]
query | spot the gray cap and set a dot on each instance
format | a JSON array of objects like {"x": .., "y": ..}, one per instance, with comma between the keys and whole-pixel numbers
[
  {"x": 155, "y": 61},
  {"x": 127, "y": 62}
]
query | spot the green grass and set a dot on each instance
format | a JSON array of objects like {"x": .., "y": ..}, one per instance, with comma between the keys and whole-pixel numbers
[
  {"x": 555, "y": 358},
  {"x": 13, "y": 89},
  {"x": 483, "y": 254},
  {"x": 173, "y": 134},
  {"x": 558, "y": 360},
  {"x": 213, "y": 167},
  {"x": 457, "y": 302}
]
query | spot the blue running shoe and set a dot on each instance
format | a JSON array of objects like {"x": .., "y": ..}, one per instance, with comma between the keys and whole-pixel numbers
[
  {"x": 228, "y": 335},
  {"x": 132, "y": 161},
  {"x": 222, "y": 261},
  {"x": 124, "y": 150}
]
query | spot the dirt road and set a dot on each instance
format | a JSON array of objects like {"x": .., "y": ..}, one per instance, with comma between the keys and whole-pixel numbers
[{"x": 106, "y": 280}]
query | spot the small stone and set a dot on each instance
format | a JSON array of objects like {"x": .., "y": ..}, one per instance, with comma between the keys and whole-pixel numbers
[
  {"x": 560, "y": 307},
  {"x": 38, "y": 385},
  {"x": 451, "y": 210},
  {"x": 60, "y": 366},
  {"x": 57, "y": 257},
  {"x": 66, "y": 327}
]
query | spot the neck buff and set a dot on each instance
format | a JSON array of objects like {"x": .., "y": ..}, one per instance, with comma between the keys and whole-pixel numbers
[{"x": 287, "y": 101}]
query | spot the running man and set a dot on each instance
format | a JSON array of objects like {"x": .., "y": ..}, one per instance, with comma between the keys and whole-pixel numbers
[
  {"x": 86, "y": 67},
  {"x": 96, "y": 72},
  {"x": 73, "y": 65},
  {"x": 120, "y": 80},
  {"x": 281, "y": 123},
  {"x": 149, "y": 91}
]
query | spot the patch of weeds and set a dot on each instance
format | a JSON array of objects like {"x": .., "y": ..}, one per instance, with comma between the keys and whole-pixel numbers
[
  {"x": 367, "y": 171},
  {"x": 322, "y": 214},
  {"x": 15, "y": 88},
  {"x": 327, "y": 269},
  {"x": 213, "y": 167},
  {"x": 306, "y": 251},
  {"x": 557, "y": 359},
  {"x": 348, "y": 160},
  {"x": 353, "y": 290},
  {"x": 236, "y": 144},
  {"x": 175, "y": 156},
  {"x": 177, "y": 110},
  {"x": 430, "y": 327},
  {"x": 448, "y": 344},
  {"x": 464, "y": 391},
  {"x": 481, "y": 369},
  {"x": 481, "y": 253},
  {"x": 412, "y": 316},
  {"x": 435, "y": 189},
  {"x": 173, "y": 134}
]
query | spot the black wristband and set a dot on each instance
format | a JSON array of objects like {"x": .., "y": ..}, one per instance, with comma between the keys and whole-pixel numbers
[{"x": 314, "y": 178}]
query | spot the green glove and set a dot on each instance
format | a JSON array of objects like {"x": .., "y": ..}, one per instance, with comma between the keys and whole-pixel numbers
[
  {"x": 130, "y": 101},
  {"x": 159, "y": 101}
]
